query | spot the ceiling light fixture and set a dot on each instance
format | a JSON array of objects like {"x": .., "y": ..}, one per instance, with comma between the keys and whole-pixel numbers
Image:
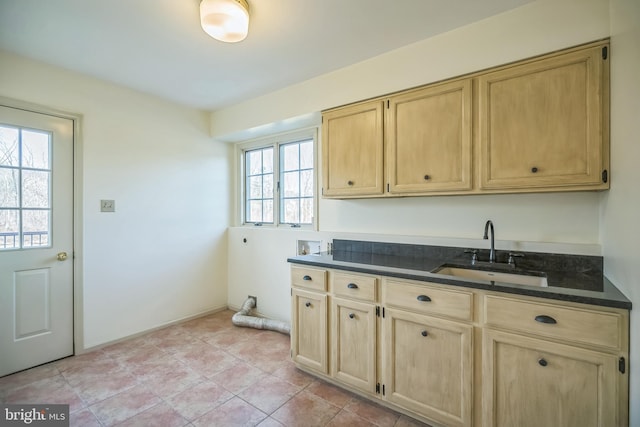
[{"x": 225, "y": 20}]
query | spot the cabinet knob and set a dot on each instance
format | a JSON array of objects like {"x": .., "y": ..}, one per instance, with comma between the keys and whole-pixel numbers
[
  {"x": 306, "y": 278},
  {"x": 352, "y": 286},
  {"x": 307, "y": 304},
  {"x": 534, "y": 169},
  {"x": 349, "y": 182},
  {"x": 543, "y": 318},
  {"x": 423, "y": 298},
  {"x": 424, "y": 333},
  {"x": 542, "y": 362},
  {"x": 351, "y": 315},
  {"x": 427, "y": 177}
]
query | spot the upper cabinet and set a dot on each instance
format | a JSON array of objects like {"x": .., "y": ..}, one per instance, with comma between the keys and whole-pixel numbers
[
  {"x": 428, "y": 136},
  {"x": 533, "y": 126},
  {"x": 541, "y": 123},
  {"x": 352, "y": 150}
]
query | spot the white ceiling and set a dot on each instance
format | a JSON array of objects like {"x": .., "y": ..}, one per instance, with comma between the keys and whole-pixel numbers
[{"x": 158, "y": 47}]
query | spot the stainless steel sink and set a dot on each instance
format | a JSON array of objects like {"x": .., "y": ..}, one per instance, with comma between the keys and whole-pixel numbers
[{"x": 494, "y": 276}]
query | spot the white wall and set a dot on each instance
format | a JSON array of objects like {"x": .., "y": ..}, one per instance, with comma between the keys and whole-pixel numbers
[
  {"x": 620, "y": 230},
  {"x": 162, "y": 255},
  {"x": 553, "y": 218},
  {"x": 536, "y": 28}
]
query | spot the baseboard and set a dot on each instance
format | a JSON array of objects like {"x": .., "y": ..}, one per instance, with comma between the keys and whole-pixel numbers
[{"x": 155, "y": 328}]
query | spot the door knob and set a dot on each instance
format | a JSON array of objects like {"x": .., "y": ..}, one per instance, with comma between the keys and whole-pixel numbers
[{"x": 62, "y": 256}]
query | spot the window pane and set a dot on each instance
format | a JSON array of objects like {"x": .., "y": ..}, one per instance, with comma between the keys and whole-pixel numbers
[
  {"x": 8, "y": 146},
  {"x": 297, "y": 178},
  {"x": 254, "y": 162},
  {"x": 8, "y": 188},
  {"x": 306, "y": 211},
  {"x": 267, "y": 211},
  {"x": 267, "y": 187},
  {"x": 35, "y": 189},
  {"x": 291, "y": 211},
  {"x": 35, "y": 228},
  {"x": 267, "y": 167},
  {"x": 291, "y": 184},
  {"x": 255, "y": 187},
  {"x": 259, "y": 185},
  {"x": 306, "y": 183},
  {"x": 25, "y": 188},
  {"x": 306, "y": 155},
  {"x": 35, "y": 149},
  {"x": 290, "y": 160},
  {"x": 254, "y": 211},
  {"x": 9, "y": 229}
]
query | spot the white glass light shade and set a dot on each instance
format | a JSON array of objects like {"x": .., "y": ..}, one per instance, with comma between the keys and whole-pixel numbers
[{"x": 225, "y": 20}]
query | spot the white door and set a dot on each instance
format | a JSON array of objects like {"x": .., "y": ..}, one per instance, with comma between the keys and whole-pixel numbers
[{"x": 36, "y": 239}]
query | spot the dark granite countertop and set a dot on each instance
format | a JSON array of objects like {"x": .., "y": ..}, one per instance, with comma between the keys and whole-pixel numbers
[{"x": 570, "y": 278}]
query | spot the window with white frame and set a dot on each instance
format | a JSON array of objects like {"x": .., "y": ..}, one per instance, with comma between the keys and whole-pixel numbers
[{"x": 279, "y": 181}]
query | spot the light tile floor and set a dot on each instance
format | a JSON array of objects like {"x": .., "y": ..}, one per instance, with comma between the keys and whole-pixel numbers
[{"x": 205, "y": 372}]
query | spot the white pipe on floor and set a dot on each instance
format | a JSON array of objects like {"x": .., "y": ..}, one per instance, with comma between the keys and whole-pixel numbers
[{"x": 244, "y": 318}]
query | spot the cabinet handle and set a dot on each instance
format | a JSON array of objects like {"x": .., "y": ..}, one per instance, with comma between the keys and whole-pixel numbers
[
  {"x": 427, "y": 177},
  {"x": 534, "y": 169},
  {"x": 542, "y": 362},
  {"x": 546, "y": 319},
  {"x": 306, "y": 278},
  {"x": 352, "y": 286},
  {"x": 349, "y": 182},
  {"x": 423, "y": 298},
  {"x": 424, "y": 333},
  {"x": 307, "y": 304},
  {"x": 351, "y": 315}
]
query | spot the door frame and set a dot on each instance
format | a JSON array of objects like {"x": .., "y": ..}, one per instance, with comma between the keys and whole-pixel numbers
[{"x": 78, "y": 321}]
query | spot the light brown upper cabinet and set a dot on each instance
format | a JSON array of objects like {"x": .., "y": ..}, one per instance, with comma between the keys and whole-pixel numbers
[
  {"x": 537, "y": 125},
  {"x": 428, "y": 136},
  {"x": 541, "y": 123},
  {"x": 352, "y": 150}
]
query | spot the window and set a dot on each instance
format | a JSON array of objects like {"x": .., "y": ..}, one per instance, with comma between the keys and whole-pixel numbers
[
  {"x": 259, "y": 185},
  {"x": 279, "y": 181},
  {"x": 296, "y": 176},
  {"x": 25, "y": 188}
]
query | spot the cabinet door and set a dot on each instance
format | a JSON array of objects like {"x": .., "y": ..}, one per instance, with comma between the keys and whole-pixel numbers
[
  {"x": 309, "y": 330},
  {"x": 427, "y": 366},
  {"x": 429, "y": 139},
  {"x": 353, "y": 344},
  {"x": 543, "y": 123},
  {"x": 531, "y": 382},
  {"x": 352, "y": 148}
]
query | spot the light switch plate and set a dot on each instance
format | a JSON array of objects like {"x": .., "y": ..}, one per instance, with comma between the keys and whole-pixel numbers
[{"x": 107, "y": 205}]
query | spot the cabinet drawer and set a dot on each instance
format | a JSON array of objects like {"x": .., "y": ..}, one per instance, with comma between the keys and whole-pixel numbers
[
  {"x": 354, "y": 286},
  {"x": 428, "y": 300},
  {"x": 551, "y": 320},
  {"x": 310, "y": 278}
]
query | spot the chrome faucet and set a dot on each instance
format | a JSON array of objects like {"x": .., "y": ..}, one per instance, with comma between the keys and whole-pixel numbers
[{"x": 492, "y": 253}]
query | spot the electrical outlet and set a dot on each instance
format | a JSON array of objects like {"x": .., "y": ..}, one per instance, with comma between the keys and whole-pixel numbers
[
  {"x": 255, "y": 298},
  {"x": 107, "y": 205}
]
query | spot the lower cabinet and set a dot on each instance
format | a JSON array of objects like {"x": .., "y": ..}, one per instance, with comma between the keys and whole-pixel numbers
[
  {"x": 461, "y": 357},
  {"x": 532, "y": 382},
  {"x": 353, "y": 343},
  {"x": 428, "y": 366},
  {"x": 309, "y": 331}
]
